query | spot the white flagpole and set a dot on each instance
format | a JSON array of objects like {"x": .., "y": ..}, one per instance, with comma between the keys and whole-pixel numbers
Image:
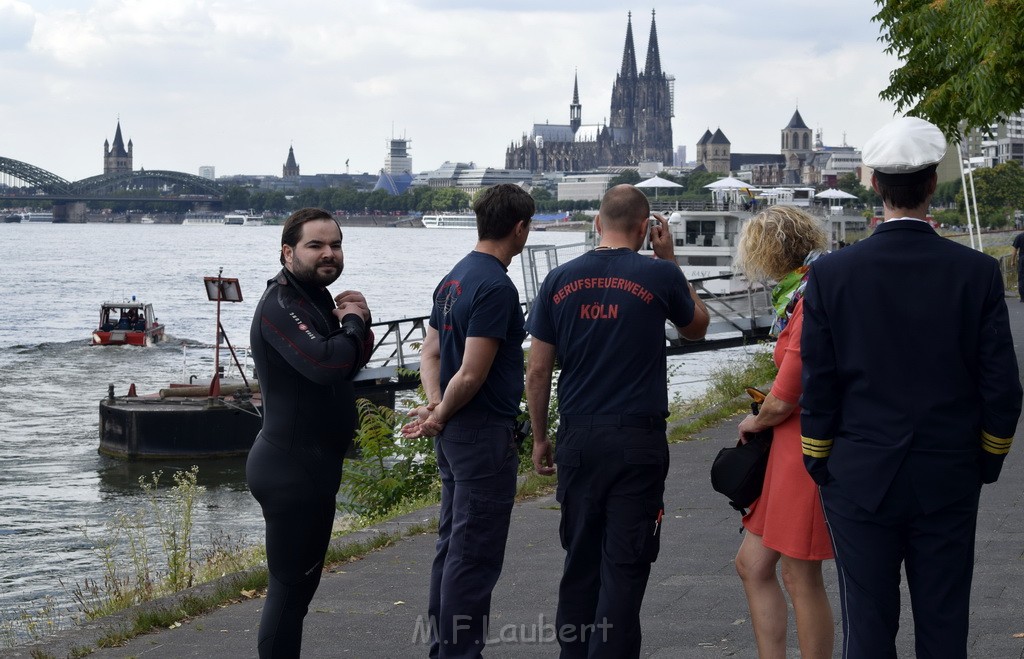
[
  {"x": 974, "y": 199},
  {"x": 963, "y": 162}
]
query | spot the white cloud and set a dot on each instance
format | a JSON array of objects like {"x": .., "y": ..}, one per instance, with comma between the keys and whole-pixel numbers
[
  {"x": 233, "y": 83},
  {"x": 17, "y": 21}
]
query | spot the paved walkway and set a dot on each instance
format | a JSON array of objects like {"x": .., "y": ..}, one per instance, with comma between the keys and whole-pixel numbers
[{"x": 694, "y": 605}]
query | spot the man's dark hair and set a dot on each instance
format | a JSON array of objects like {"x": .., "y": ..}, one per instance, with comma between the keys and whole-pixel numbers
[
  {"x": 500, "y": 208},
  {"x": 906, "y": 190},
  {"x": 293, "y": 226}
]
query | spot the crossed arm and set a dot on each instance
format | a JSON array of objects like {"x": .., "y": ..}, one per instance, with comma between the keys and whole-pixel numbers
[{"x": 430, "y": 419}]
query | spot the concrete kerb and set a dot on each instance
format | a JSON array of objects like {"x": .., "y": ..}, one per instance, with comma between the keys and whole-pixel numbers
[{"x": 89, "y": 634}]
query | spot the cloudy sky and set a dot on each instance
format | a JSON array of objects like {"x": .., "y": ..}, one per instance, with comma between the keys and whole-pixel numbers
[{"x": 234, "y": 83}]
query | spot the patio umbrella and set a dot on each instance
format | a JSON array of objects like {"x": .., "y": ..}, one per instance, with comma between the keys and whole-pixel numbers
[
  {"x": 657, "y": 182},
  {"x": 728, "y": 183},
  {"x": 833, "y": 193},
  {"x": 724, "y": 190}
]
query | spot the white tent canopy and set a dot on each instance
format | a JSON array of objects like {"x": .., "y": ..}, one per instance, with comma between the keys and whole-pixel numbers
[
  {"x": 730, "y": 192},
  {"x": 658, "y": 182},
  {"x": 728, "y": 183},
  {"x": 833, "y": 193}
]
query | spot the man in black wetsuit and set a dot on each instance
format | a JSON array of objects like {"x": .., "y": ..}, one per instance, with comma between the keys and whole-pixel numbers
[
  {"x": 472, "y": 373},
  {"x": 307, "y": 347}
]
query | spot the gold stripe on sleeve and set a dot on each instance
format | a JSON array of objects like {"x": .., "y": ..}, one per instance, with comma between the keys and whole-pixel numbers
[
  {"x": 816, "y": 448},
  {"x": 995, "y": 445}
]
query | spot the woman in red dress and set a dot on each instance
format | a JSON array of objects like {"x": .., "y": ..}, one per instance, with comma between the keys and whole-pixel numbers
[{"x": 785, "y": 525}]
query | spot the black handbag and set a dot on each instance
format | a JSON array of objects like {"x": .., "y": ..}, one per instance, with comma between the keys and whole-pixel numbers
[{"x": 738, "y": 472}]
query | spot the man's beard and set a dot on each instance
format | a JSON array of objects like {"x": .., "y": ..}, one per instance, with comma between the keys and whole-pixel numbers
[{"x": 316, "y": 276}]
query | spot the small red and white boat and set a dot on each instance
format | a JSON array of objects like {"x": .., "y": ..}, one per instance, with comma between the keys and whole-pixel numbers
[{"x": 127, "y": 323}]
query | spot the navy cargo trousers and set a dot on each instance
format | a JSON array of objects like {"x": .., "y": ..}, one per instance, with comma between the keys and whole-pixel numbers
[
  {"x": 611, "y": 486},
  {"x": 478, "y": 461}
]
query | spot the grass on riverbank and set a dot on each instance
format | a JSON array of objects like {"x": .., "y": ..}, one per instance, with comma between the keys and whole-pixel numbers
[{"x": 725, "y": 395}]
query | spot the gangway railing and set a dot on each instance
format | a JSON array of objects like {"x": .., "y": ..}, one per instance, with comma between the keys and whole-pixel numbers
[
  {"x": 395, "y": 341},
  {"x": 539, "y": 260}
]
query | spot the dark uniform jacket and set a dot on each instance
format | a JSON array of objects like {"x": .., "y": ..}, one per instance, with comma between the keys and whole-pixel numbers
[{"x": 907, "y": 355}]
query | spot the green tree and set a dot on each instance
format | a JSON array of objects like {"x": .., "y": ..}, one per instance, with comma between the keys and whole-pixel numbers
[
  {"x": 963, "y": 60},
  {"x": 696, "y": 181},
  {"x": 348, "y": 199},
  {"x": 946, "y": 194},
  {"x": 999, "y": 191},
  {"x": 268, "y": 200},
  {"x": 541, "y": 194},
  {"x": 449, "y": 199},
  {"x": 850, "y": 183},
  {"x": 630, "y": 176},
  {"x": 236, "y": 197},
  {"x": 308, "y": 198}
]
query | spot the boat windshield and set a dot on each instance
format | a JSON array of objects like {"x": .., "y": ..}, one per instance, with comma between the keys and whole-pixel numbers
[{"x": 124, "y": 318}]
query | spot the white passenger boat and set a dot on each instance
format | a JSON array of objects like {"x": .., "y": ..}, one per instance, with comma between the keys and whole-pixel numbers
[
  {"x": 445, "y": 221},
  {"x": 705, "y": 246},
  {"x": 243, "y": 219},
  {"x": 201, "y": 218}
]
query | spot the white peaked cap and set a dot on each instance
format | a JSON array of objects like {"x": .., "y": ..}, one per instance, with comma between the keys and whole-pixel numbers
[{"x": 904, "y": 146}]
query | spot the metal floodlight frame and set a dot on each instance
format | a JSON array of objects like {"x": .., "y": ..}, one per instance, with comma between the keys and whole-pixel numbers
[{"x": 223, "y": 289}]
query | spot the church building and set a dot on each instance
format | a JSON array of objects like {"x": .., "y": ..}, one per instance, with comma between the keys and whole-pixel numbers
[
  {"x": 639, "y": 128},
  {"x": 793, "y": 166},
  {"x": 117, "y": 159},
  {"x": 290, "y": 168}
]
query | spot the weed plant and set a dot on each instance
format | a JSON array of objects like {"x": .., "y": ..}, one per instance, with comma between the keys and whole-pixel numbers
[
  {"x": 34, "y": 624},
  {"x": 174, "y": 521},
  {"x": 725, "y": 394},
  {"x": 390, "y": 469},
  {"x": 129, "y": 574}
]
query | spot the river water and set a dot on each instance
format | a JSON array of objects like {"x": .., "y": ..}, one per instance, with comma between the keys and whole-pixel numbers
[{"x": 54, "y": 486}]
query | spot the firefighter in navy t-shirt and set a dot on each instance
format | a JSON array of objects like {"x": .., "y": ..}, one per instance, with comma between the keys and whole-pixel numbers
[
  {"x": 472, "y": 373},
  {"x": 602, "y": 316}
]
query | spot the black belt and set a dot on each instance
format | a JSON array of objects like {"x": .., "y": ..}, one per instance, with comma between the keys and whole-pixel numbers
[
  {"x": 480, "y": 418},
  {"x": 619, "y": 420}
]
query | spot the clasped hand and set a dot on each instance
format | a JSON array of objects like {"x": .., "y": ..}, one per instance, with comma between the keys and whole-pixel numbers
[
  {"x": 424, "y": 423},
  {"x": 351, "y": 302}
]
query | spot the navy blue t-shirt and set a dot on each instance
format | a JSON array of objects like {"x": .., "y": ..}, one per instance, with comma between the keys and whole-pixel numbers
[
  {"x": 477, "y": 298},
  {"x": 605, "y": 314}
]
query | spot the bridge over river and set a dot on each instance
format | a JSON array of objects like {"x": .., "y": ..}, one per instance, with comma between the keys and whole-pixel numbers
[{"x": 23, "y": 182}]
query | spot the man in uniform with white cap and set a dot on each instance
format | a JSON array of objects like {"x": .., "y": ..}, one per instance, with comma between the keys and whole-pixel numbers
[{"x": 911, "y": 398}]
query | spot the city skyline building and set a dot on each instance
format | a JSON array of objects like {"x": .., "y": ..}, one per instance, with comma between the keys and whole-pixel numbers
[
  {"x": 1001, "y": 142},
  {"x": 398, "y": 159}
]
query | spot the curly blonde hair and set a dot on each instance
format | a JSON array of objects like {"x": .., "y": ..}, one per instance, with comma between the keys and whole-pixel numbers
[{"x": 777, "y": 240}]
